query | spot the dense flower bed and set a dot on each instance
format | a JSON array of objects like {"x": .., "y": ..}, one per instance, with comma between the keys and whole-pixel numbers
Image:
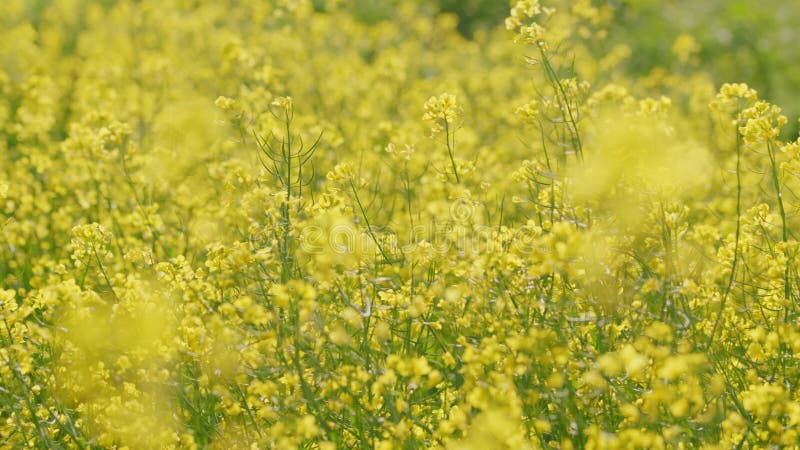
[{"x": 236, "y": 224}]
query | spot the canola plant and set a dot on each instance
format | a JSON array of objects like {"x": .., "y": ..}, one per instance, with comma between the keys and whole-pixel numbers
[{"x": 273, "y": 224}]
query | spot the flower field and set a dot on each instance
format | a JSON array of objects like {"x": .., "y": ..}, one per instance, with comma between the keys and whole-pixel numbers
[{"x": 399, "y": 224}]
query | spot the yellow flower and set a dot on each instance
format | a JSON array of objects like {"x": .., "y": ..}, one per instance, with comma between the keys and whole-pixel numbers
[
  {"x": 685, "y": 47},
  {"x": 284, "y": 103},
  {"x": 443, "y": 107}
]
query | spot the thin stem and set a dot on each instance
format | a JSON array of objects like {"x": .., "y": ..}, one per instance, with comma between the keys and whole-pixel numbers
[
  {"x": 450, "y": 150},
  {"x": 787, "y": 286},
  {"x": 732, "y": 276},
  {"x": 366, "y": 220},
  {"x": 566, "y": 110},
  {"x": 103, "y": 272}
]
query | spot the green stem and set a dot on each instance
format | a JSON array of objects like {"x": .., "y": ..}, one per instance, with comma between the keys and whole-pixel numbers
[
  {"x": 450, "y": 149},
  {"x": 366, "y": 220},
  {"x": 732, "y": 276}
]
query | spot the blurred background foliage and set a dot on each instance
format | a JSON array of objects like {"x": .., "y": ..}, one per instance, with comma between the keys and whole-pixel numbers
[{"x": 751, "y": 41}]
